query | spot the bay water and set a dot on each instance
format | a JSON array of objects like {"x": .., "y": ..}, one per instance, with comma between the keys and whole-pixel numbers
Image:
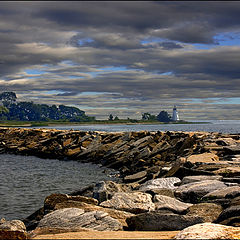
[{"x": 25, "y": 181}]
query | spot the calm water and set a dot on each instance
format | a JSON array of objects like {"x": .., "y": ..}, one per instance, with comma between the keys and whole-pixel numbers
[
  {"x": 223, "y": 126},
  {"x": 25, "y": 182}
]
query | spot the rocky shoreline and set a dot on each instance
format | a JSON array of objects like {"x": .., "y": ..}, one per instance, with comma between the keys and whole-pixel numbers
[{"x": 170, "y": 181}]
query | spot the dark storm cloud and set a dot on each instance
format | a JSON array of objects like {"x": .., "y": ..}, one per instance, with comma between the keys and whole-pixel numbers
[
  {"x": 132, "y": 55},
  {"x": 190, "y": 22}
]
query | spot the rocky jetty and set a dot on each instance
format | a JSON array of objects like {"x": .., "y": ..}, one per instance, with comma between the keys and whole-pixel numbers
[{"x": 169, "y": 181}]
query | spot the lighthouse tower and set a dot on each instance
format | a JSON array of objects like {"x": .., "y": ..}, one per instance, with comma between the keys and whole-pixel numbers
[{"x": 175, "y": 116}]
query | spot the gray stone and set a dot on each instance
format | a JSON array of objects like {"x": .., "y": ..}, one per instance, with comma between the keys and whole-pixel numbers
[
  {"x": 233, "y": 211},
  {"x": 235, "y": 201},
  {"x": 160, "y": 183},
  {"x": 161, "y": 221},
  {"x": 190, "y": 179},
  {"x": 193, "y": 192},
  {"x": 221, "y": 193},
  {"x": 208, "y": 231},
  {"x": 104, "y": 190},
  {"x": 75, "y": 219},
  {"x": 165, "y": 202},
  {"x": 134, "y": 202},
  {"x": 209, "y": 212}
]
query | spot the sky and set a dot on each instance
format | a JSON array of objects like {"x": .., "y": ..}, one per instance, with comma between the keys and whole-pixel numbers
[{"x": 124, "y": 57}]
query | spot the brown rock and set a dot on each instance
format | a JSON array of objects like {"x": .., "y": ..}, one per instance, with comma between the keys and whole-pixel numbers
[
  {"x": 53, "y": 199},
  {"x": 209, "y": 212},
  {"x": 203, "y": 158},
  {"x": 228, "y": 171},
  {"x": 11, "y": 230}
]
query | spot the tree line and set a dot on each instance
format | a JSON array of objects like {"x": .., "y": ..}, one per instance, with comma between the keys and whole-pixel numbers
[{"x": 29, "y": 111}]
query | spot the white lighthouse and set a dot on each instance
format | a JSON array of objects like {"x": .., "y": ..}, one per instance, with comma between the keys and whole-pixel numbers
[{"x": 175, "y": 116}]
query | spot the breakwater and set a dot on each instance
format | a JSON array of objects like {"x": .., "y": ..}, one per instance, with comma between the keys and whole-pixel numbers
[{"x": 172, "y": 180}]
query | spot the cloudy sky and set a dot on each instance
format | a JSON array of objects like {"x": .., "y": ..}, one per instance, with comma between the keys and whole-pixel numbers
[{"x": 124, "y": 58}]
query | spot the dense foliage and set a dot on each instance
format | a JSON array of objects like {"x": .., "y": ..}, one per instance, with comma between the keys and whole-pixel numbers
[
  {"x": 148, "y": 117},
  {"x": 163, "y": 116},
  {"x": 28, "y": 111}
]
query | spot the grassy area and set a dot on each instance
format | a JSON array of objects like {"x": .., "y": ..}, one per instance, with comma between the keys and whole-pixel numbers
[{"x": 54, "y": 123}]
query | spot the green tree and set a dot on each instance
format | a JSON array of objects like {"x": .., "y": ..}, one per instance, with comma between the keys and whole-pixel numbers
[
  {"x": 116, "y": 118},
  {"x": 110, "y": 118},
  {"x": 147, "y": 116},
  {"x": 163, "y": 116}
]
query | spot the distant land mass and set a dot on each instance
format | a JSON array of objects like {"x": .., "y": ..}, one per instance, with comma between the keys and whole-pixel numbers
[{"x": 13, "y": 113}]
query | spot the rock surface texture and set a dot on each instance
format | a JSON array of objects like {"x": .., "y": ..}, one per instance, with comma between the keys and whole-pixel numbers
[
  {"x": 14, "y": 229},
  {"x": 209, "y": 231},
  {"x": 75, "y": 219},
  {"x": 168, "y": 181}
]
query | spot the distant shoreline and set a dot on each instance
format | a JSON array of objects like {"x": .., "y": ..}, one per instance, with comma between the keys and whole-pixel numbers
[{"x": 100, "y": 122}]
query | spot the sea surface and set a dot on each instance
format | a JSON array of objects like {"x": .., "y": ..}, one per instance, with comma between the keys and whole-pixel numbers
[
  {"x": 223, "y": 126},
  {"x": 25, "y": 181}
]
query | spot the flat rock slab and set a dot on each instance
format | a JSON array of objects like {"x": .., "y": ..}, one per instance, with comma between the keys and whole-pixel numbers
[
  {"x": 190, "y": 179},
  {"x": 222, "y": 193},
  {"x": 203, "y": 158},
  {"x": 160, "y": 183},
  {"x": 160, "y": 221},
  {"x": 111, "y": 235},
  {"x": 228, "y": 171},
  {"x": 172, "y": 204},
  {"x": 134, "y": 202},
  {"x": 121, "y": 216},
  {"x": 75, "y": 219},
  {"x": 209, "y": 231},
  {"x": 51, "y": 200},
  {"x": 193, "y": 192}
]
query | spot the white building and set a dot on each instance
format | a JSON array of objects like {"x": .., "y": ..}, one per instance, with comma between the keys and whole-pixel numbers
[{"x": 175, "y": 116}]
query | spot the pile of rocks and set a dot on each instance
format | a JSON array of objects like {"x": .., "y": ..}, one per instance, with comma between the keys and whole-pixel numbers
[{"x": 170, "y": 181}]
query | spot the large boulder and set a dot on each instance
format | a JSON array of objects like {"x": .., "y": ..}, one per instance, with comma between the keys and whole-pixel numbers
[
  {"x": 209, "y": 231},
  {"x": 161, "y": 221},
  {"x": 231, "y": 171},
  {"x": 75, "y": 219},
  {"x": 222, "y": 193},
  {"x": 209, "y": 212},
  {"x": 230, "y": 216},
  {"x": 121, "y": 216},
  {"x": 172, "y": 204},
  {"x": 190, "y": 179},
  {"x": 160, "y": 183},
  {"x": 193, "y": 192},
  {"x": 12, "y": 230},
  {"x": 134, "y": 202}
]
